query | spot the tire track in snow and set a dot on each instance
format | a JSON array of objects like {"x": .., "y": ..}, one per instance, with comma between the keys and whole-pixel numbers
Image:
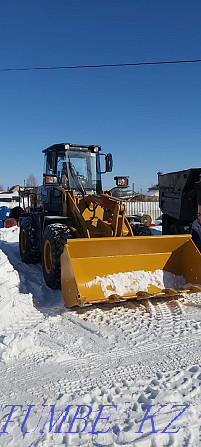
[
  {"x": 131, "y": 355},
  {"x": 156, "y": 323},
  {"x": 101, "y": 368}
]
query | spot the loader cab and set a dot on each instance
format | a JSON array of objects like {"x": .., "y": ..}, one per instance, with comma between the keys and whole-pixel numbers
[{"x": 75, "y": 167}]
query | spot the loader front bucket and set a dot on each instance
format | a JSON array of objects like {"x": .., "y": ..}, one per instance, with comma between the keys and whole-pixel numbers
[{"x": 86, "y": 264}]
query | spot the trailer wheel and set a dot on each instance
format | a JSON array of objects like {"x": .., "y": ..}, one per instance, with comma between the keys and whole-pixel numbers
[
  {"x": 141, "y": 230},
  {"x": 54, "y": 239},
  {"x": 27, "y": 242}
]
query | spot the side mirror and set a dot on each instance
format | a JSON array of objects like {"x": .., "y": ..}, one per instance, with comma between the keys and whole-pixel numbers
[{"x": 108, "y": 162}]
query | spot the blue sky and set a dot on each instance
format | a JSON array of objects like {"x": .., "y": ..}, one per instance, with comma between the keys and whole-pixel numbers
[{"x": 149, "y": 117}]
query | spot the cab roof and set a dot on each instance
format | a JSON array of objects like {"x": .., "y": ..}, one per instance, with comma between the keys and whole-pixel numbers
[{"x": 64, "y": 146}]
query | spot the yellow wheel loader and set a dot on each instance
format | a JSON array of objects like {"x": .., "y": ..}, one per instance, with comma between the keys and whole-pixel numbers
[{"x": 82, "y": 235}]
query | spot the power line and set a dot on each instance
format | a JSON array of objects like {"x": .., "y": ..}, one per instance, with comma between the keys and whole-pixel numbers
[{"x": 77, "y": 67}]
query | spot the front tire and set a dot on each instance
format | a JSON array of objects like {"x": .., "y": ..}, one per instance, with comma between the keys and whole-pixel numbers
[{"x": 54, "y": 238}]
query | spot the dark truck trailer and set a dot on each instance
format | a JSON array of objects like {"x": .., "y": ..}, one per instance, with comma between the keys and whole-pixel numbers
[{"x": 180, "y": 203}]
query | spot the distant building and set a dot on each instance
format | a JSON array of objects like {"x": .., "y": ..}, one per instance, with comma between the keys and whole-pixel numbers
[
  {"x": 153, "y": 191},
  {"x": 10, "y": 196}
]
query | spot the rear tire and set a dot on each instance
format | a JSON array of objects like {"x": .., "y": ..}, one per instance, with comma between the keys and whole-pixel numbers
[
  {"x": 27, "y": 242},
  {"x": 54, "y": 239}
]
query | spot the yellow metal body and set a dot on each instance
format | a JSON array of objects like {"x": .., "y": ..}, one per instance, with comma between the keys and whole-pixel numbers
[
  {"x": 96, "y": 216},
  {"x": 84, "y": 259},
  {"x": 47, "y": 256}
]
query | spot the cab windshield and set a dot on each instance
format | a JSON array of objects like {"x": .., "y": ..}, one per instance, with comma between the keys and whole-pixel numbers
[{"x": 77, "y": 170}]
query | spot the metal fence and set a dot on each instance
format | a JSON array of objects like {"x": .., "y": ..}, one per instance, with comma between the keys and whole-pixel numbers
[{"x": 150, "y": 208}]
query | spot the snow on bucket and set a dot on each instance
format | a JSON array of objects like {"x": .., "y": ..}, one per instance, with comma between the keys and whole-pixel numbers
[{"x": 85, "y": 260}]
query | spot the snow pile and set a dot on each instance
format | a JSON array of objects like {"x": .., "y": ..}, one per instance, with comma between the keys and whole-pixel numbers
[
  {"x": 13, "y": 304},
  {"x": 9, "y": 234},
  {"x": 135, "y": 281},
  {"x": 18, "y": 317}
]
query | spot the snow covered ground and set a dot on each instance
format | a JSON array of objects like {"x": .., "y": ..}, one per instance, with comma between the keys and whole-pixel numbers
[{"x": 129, "y": 358}]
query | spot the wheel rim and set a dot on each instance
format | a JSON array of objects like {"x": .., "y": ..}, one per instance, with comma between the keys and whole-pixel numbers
[
  {"x": 47, "y": 256},
  {"x": 22, "y": 240}
]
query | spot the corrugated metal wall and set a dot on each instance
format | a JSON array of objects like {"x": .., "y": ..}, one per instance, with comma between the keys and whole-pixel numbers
[{"x": 151, "y": 208}]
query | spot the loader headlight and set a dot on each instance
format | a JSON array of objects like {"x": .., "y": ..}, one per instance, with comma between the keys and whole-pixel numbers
[
  {"x": 51, "y": 179},
  {"x": 121, "y": 182}
]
